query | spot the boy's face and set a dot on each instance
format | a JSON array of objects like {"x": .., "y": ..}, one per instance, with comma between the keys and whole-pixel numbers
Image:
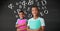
[
  {"x": 34, "y": 11},
  {"x": 21, "y": 15}
]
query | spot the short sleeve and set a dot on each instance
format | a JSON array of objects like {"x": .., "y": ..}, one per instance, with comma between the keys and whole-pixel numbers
[
  {"x": 28, "y": 23},
  {"x": 42, "y": 22},
  {"x": 17, "y": 21}
]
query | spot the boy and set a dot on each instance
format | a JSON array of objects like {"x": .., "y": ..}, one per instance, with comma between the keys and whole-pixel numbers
[
  {"x": 21, "y": 22},
  {"x": 36, "y": 23}
]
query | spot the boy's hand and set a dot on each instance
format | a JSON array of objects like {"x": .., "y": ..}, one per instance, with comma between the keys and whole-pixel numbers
[
  {"x": 17, "y": 25},
  {"x": 20, "y": 25},
  {"x": 23, "y": 24},
  {"x": 28, "y": 28},
  {"x": 24, "y": 29},
  {"x": 19, "y": 29},
  {"x": 42, "y": 28}
]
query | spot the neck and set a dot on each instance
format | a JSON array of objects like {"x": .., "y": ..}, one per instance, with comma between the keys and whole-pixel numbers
[
  {"x": 35, "y": 17},
  {"x": 21, "y": 18}
]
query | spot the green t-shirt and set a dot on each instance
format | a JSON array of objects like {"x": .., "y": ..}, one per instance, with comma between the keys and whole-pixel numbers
[{"x": 36, "y": 23}]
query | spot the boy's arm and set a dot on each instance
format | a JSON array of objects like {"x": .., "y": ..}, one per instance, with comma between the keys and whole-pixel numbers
[
  {"x": 23, "y": 24},
  {"x": 16, "y": 25},
  {"x": 28, "y": 26},
  {"x": 19, "y": 25},
  {"x": 42, "y": 28},
  {"x": 28, "y": 29},
  {"x": 42, "y": 24}
]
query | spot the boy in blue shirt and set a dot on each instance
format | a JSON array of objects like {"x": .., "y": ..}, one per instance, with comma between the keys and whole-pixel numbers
[{"x": 36, "y": 23}]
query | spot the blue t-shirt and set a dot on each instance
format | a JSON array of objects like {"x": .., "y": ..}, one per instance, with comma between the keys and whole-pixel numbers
[{"x": 36, "y": 23}]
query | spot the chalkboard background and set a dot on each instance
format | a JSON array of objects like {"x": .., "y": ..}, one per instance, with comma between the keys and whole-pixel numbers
[{"x": 8, "y": 18}]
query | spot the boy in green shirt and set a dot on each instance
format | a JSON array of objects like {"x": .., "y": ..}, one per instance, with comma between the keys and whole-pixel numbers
[{"x": 36, "y": 23}]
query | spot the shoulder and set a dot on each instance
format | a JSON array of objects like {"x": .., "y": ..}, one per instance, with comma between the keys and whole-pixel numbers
[
  {"x": 18, "y": 19},
  {"x": 41, "y": 18}
]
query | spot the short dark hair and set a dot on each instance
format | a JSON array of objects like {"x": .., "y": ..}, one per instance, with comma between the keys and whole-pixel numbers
[
  {"x": 22, "y": 12},
  {"x": 35, "y": 7}
]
